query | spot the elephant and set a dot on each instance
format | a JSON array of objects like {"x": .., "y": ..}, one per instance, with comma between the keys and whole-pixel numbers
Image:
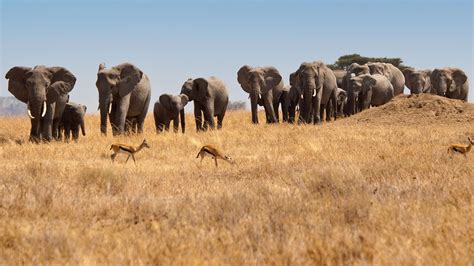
[
  {"x": 394, "y": 75},
  {"x": 417, "y": 81},
  {"x": 124, "y": 97},
  {"x": 450, "y": 82},
  {"x": 352, "y": 105},
  {"x": 374, "y": 90},
  {"x": 72, "y": 120},
  {"x": 294, "y": 97},
  {"x": 210, "y": 98},
  {"x": 341, "y": 96},
  {"x": 45, "y": 91},
  {"x": 264, "y": 85},
  {"x": 170, "y": 107},
  {"x": 318, "y": 85}
]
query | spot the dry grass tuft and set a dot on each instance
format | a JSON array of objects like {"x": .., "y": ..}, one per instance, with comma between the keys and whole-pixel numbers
[{"x": 383, "y": 192}]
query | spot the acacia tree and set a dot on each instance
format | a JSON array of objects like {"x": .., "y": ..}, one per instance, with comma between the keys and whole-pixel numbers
[{"x": 345, "y": 60}]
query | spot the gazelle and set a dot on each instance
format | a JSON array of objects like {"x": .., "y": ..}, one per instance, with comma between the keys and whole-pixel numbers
[
  {"x": 214, "y": 153},
  {"x": 127, "y": 149},
  {"x": 461, "y": 148}
]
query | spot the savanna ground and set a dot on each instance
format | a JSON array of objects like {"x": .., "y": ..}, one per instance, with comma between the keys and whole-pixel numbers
[{"x": 374, "y": 188}]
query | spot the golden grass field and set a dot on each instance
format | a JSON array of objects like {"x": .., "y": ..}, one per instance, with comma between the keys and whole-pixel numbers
[{"x": 376, "y": 188}]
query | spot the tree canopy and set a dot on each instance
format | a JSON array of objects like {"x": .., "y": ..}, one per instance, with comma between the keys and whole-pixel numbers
[{"x": 345, "y": 60}]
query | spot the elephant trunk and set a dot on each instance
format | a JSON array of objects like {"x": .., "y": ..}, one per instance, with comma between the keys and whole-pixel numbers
[
  {"x": 183, "y": 120},
  {"x": 308, "y": 94},
  {"x": 36, "y": 111},
  {"x": 83, "y": 127},
  {"x": 443, "y": 87},
  {"x": 254, "y": 98},
  {"x": 104, "y": 107}
]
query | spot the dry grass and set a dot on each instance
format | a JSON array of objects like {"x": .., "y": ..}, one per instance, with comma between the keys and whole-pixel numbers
[{"x": 341, "y": 193}]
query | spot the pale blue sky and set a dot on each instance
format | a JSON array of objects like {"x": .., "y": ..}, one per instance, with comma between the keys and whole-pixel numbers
[{"x": 174, "y": 40}]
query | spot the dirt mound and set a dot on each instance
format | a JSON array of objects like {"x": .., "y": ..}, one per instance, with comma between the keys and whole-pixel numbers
[{"x": 417, "y": 109}]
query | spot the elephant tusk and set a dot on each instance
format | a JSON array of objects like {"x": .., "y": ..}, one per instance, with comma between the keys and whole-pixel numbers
[
  {"x": 314, "y": 93},
  {"x": 110, "y": 108},
  {"x": 29, "y": 112},
  {"x": 45, "y": 108}
]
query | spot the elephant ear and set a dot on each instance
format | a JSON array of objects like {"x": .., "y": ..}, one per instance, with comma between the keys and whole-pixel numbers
[
  {"x": 272, "y": 78},
  {"x": 200, "y": 87},
  {"x": 165, "y": 100},
  {"x": 243, "y": 78},
  {"x": 370, "y": 81},
  {"x": 62, "y": 82},
  {"x": 459, "y": 77},
  {"x": 16, "y": 84},
  {"x": 294, "y": 79},
  {"x": 297, "y": 79},
  {"x": 130, "y": 75},
  {"x": 184, "y": 99}
]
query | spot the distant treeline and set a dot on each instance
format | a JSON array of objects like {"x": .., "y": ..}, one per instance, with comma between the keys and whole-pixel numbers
[
  {"x": 346, "y": 60},
  {"x": 9, "y": 106}
]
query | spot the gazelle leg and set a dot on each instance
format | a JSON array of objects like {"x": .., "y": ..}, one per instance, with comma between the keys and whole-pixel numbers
[
  {"x": 215, "y": 159},
  {"x": 113, "y": 157},
  {"x": 133, "y": 157},
  {"x": 202, "y": 158},
  {"x": 127, "y": 159}
]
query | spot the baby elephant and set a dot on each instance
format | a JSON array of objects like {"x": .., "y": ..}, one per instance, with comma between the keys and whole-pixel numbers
[
  {"x": 374, "y": 90},
  {"x": 72, "y": 119},
  {"x": 167, "y": 108}
]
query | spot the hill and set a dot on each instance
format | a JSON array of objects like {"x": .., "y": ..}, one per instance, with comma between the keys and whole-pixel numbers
[{"x": 9, "y": 106}]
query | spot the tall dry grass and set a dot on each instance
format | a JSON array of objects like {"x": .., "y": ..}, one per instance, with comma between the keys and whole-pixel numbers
[{"x": 341, "y": 193}]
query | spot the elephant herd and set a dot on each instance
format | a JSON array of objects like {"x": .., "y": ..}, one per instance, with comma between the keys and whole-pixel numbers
[{"x": 314, "y": 90}]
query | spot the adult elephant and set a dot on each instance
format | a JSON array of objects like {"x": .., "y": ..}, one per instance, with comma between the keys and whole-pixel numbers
[
  {"x": 45, "y": 91},
  {"x": 170, "y": 107},
  {"x": 450, "y": 82},
  {"x": 374, "y": 90},
  {"x": 417, "y": 81},
  {"x": 394, "y": 75},
  {"x": 352, "y": 105},
  {"x": 124, "y": 95},
  {"x": 264, "y": 85},
  {"x": 318, "y": 85},
  {"x": 210, "y": 98}
]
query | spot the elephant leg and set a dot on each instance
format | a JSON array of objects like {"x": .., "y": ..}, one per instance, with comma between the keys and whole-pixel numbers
[
  {"x": 284, "y": 106},
  {"x": 141, "y": 117},
  {"x": 254, "y": 107},
  {"x": 67, "y": 133},
  {"x": 47, "y": 124},
  {"x": 75, "y": 134},
  {"x": 291, "y": 114},
  {"x": 277, "y": 113},
  {"x": 134, "y": 125},
  {"x": 328, "y": 111},
  {"x": 198, "y": 116},
  {"x": 175, "y": 124},
  {"x": 220, "y": 117},
  {"x": 167, "y": 125},
  {"x": 121, "y": 114},
  {"x": 209, "y": 115},
  {"x": 317, "y": 109},
  {"x": 267, "y": 103}
]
